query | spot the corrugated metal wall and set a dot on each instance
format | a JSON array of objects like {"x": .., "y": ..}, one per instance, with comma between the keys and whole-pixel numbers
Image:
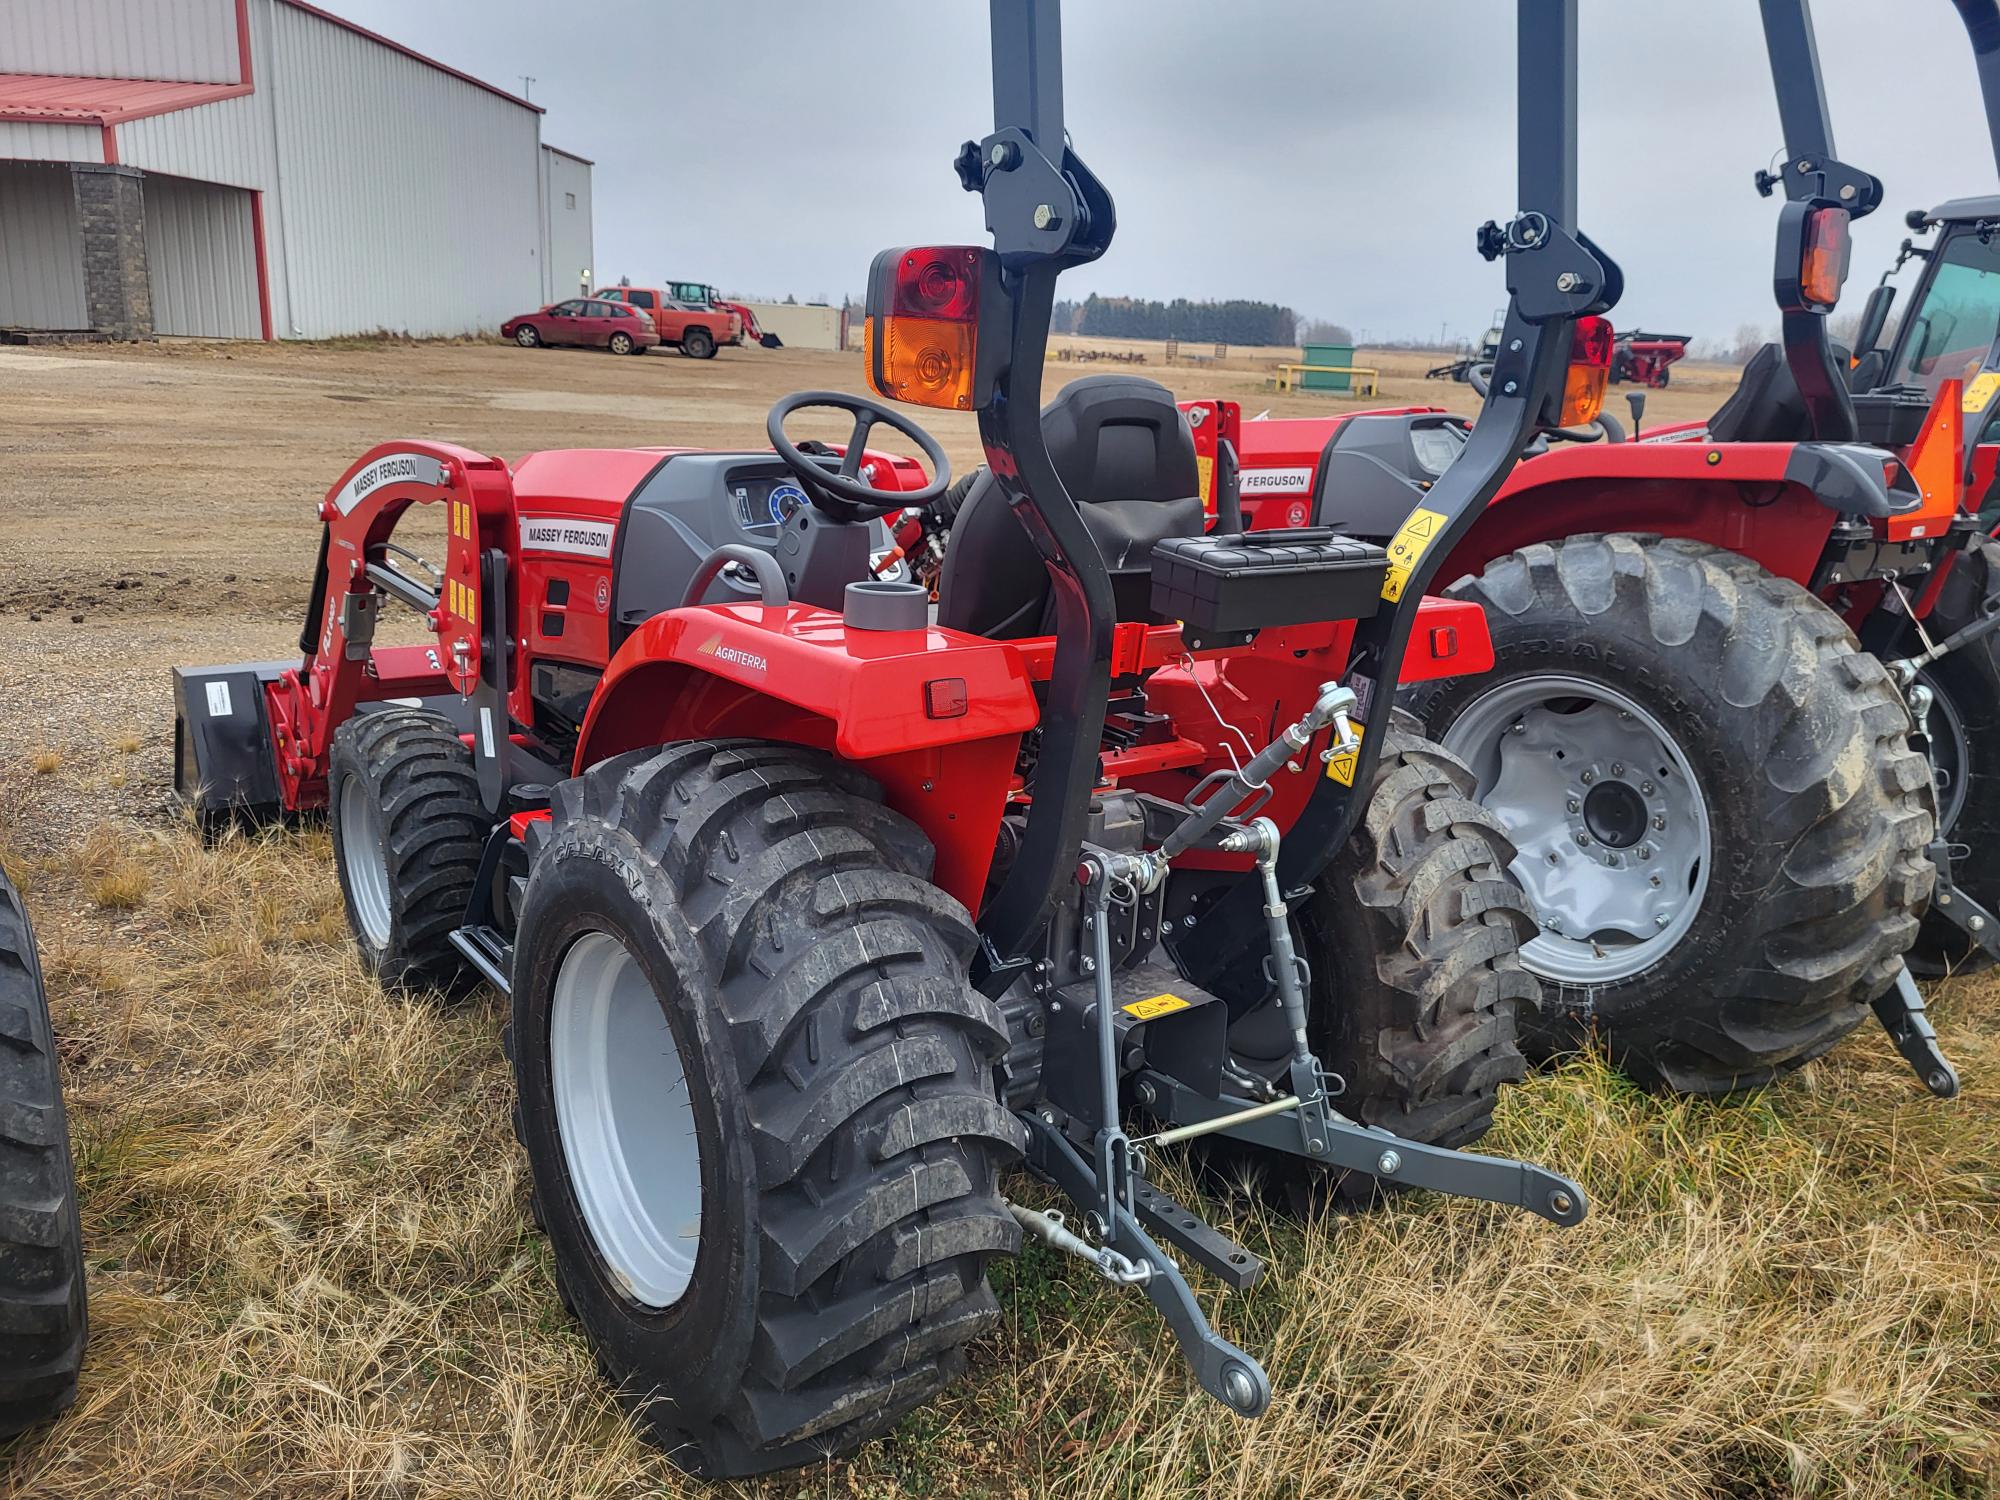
[
  {"x": 569, "y": 244},
  {"x": 41, "y": 254},
  {"x": 202, "y": 259},
  {"x": 21, "y": 141},
  {"x": 192, "y": 41},
  {"x": 409, "y": 197}
]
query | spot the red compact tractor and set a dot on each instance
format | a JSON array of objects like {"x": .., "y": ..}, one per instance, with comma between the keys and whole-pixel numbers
[
  {"x": 1713, "y": 644},
  {"x": 821, "y": 900},
  {"x": 43, "y": 1313}
]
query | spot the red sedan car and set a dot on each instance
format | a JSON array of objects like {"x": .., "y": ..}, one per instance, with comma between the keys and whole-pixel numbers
[{"x": 586, "y": 321}]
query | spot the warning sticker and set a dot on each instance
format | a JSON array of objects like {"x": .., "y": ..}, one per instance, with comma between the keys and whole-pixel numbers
[
  {"x": 1979, "y": 395},
  {"x": 1157, "y": 1005},
  {"x": 1204, "y": 466},
  {"x": 1407, "y": 548},
  {"x": 1340, "y": 765}
]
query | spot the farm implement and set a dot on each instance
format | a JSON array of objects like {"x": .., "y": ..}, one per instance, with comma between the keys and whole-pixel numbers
[
  {"x": 1641, "y": 358},
  {"x": 1744, "y": 668},
  {"x": 820, "y": 900}
]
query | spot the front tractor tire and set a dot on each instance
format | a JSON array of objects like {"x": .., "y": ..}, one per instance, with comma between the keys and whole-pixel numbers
[
  {"x": 1415, "y": 931},
  {"x": 758, "y": 1099},
  {"x": 43, "y": 1315},
  {"x": 1720, "y": 818},
  {"x": 408, "y": 832}
]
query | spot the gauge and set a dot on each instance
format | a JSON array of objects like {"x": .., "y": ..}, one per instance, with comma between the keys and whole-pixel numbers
[{"x": 786, "y": 501}]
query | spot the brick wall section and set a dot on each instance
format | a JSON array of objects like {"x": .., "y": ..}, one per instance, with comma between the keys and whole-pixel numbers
[{"x": 111, "y": 218}]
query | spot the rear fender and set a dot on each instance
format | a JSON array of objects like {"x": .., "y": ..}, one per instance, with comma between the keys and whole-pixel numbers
[
  {"x": 887, "y": 702},
  {"x": 1748, "y": 497}
]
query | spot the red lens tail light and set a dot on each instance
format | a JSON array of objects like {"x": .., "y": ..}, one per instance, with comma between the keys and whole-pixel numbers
[
  {"x": 921, "y": 340},
  {"x": 1823, "y": 268},
  {"x": 1589, "y": 371}
]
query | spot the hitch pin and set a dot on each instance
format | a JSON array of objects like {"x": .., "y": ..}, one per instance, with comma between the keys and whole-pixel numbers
[
  {"x": 1051, "y": 1228},
  {"x": 1220, "y": 1122}
]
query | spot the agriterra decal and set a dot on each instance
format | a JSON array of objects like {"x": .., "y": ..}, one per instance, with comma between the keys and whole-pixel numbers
[
  {"x": 747, "y": 659},
  {"x": 571, "y": 538}
]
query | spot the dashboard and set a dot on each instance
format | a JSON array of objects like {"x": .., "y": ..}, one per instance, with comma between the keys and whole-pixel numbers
[{"x": 764, "y": 499}]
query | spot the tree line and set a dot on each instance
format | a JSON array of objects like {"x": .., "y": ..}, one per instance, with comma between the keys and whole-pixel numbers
[{"x": 1232, "y": 322}]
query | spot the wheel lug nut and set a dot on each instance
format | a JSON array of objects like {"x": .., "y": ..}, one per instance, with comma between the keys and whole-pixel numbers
[
  {"x": 1660, "y": 824},
  {"x": 1553, "y": 924},
  {"x": 1660, "y": 919},
  {"x": 1618, "y": 768},
  {"x": 1645, "y": 851},
  {"x": 1589, "y": 777},
  {"x": 1583, "y": 839},
  {"x": 1646, "y": 787},
  {"x": 1575, "y": 805}
]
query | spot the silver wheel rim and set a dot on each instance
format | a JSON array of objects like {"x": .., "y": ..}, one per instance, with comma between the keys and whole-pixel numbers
[
  {"x": 1607, "y": 813},
  {"x": 627, "y": 1124},
  {"x": 525, "y": 337},
  {"x": 366, "y": 860},
  {"x": 620, "y": 344}
]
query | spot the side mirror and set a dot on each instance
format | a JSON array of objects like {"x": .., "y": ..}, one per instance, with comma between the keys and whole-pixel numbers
[
  {"x": 1874, "y": 318},
  {"x": 1637, "y": 401}
]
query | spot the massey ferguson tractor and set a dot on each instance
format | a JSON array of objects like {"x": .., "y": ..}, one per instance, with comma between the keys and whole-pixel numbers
[
  {"x": 43, "y": 1316},
  {"x": 1731, "y": 659},
  {"x": 821, "y": 900}
]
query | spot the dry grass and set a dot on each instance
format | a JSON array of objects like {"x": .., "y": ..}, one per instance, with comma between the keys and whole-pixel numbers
[
  {"x": 45, "y": 762},
  {"x": 312, "y": 1271}
]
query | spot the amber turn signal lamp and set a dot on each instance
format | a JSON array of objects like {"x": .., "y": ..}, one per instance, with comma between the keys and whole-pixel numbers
[
  {"x": 1823, "y": 268},
  {"x": 920, "y": 342},
  {"x": 1589, "y": 372}
]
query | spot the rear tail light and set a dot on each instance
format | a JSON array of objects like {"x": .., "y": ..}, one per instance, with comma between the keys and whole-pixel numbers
[
  {"x": 1589, "y": 372},
  {"x": 920, "y": 342},
  {"x": 1823, "y": 267}
]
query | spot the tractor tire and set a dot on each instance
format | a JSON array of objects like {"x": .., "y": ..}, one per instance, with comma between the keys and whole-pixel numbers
[
  {"x": 528, "y": 336},
  {"x": 1721, "y": 820},
  {"x": 698, "y": 343},
  {"x": 44, "y": 1319},
  {"x": 734, "y": 948},
  {"x": 621, "y": 343},
  {"x": 1414, "y": 935},
  {"x": 408, "y": 832},
  {"x": 1963, "y": 729}
]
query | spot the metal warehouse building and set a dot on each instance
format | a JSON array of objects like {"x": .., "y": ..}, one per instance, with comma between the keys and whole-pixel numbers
[{"x": 263, "y": 169}]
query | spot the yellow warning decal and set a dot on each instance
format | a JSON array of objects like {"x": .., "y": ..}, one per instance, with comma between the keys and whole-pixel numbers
[
  {"x": 1158, "y": 1005},
  {"x": 1979, "y": 395},
  {"x": 1341, "y": 767},
  {"x": 1204, "y": 466},
  {"x": 1407, "y": 548}
]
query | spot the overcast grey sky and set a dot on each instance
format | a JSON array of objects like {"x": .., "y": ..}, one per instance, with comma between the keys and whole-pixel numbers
[{"x": 1334, "y": 156}]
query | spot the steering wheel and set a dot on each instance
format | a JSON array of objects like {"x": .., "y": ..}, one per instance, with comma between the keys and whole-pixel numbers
[
  {"x": 845, "y": 496},
  {"x": 1606, "y": 426}
]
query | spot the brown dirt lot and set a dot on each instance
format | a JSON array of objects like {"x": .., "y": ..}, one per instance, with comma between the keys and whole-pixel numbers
[{"x": 311, "y": 1268}]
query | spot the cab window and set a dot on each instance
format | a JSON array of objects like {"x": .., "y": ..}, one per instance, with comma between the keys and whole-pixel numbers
[
  {"x": 1951, "y": 332},
  {"x": 640, "y": 299}
]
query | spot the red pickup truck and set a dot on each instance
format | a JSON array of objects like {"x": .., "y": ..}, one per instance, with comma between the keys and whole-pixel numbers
[{"x": 696, "y": 331}]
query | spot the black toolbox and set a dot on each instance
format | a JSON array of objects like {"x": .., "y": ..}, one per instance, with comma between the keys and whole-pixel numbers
[
  {"x": 1226, "y": 588},
  {"x": 1891, "y": 417}
]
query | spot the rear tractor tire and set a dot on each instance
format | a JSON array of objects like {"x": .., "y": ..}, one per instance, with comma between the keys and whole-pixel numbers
[
  {"x": 408, "y": 832},
  {"x": 43, "y": 1316},
  {"x": 1963, "y": 731},
  {"x": 758, "y": 1099},
  {"x": 1720, "y": 817}
]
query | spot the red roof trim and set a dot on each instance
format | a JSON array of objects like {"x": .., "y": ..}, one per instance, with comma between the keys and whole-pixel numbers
[
  {"x": 412, "y": 53},
  {"x": 60, "y": 99}
]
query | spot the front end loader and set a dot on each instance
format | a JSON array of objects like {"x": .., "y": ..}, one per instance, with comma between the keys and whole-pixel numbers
[{"x": 822, "y": 896}]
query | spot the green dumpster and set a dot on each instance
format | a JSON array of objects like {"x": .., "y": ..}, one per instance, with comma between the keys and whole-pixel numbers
[{"x": 1327, "y": 354}]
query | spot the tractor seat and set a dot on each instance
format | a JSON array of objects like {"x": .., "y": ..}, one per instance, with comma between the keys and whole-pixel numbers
[
  {"x": 1766, "y": 406},
  {"x": 1126, "y": 456}
]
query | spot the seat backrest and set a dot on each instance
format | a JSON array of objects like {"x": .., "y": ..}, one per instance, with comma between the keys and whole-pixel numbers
[
  {"x": 1126, "y": 455},
  {"x": 1766, "y": 406}
]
